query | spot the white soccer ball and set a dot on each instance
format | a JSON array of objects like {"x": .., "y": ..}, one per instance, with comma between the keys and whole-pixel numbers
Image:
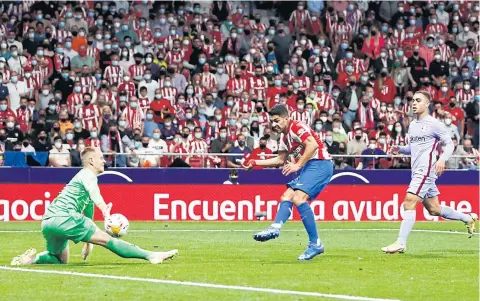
[{"x": 116, "y": 225}]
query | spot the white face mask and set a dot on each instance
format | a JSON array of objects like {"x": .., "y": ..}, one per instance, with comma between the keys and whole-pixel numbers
[
  {"x": 448, "y": 121},
  {"x": 372, "y": 146},
  {"x": 58, "y": 144},
  {"x": 198, "y": 135}
]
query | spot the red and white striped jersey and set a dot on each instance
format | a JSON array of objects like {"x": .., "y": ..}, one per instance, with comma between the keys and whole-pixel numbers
[
  {"x": 308, "y": 45},
  {"x": 168, "y": 43},
  {"x": 23, "y": 118},
  {"x": 6, "y": 74},
  {"x": 209, "y": 80},
  {"x": 304, "y": 116},
  {"x": 399, "y": 139},
  {"x": 169, "y": 93},
  {"x": 304, "y": 82},
  {"x": 90, "y": 116},
  {"x": 400, "y": 35},
  {"x": 351, "y": 136},
  {"x": 93, "y": 52},
  {"x": 128, "y": 87},
  {"x": 193, "y": 101},
  {"x": 199, "y": 91},
  {"x": 464, "y": 97},
  {"x": 354, "y": 18},
  {"x": 173, "y": 57},
  {"x": 32, "y": 84},
  {"x": 134, "y": 117},
  {"x": 136, "y": 70},
  {"x": 293, "y": 141},
  {"x": 246, "y": 107},
  {"x": 61, "y": 35},
  {"x": 445, "y": 52},
  {"x": 298, "y": 19},
  {"x": 259, "y": 27},
  {"x": 74, "y": 102},
  {"x": 211, "y": 133},
  {"x": 113, "y": 74},
  {"x": 237, "y": 85},
  {"x": 258, "y": 87},
  {"x": 144, "y": 103},
  {"x": 88, "y": 84},
  {"x": 358, "y": 65},
  {"x": 436, "y": 29},
  {"x": 198, "y": 146},
  {"x": 251, "y": 68},
  {"x": 341, "y": 32},
  {"x": 230, "y": 69},
  {"x": 325, "y": 102},
  {"x": 230, "y": 111}
]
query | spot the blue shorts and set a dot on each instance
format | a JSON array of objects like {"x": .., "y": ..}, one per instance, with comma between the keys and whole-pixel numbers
[{"x": 313, "y": 177}]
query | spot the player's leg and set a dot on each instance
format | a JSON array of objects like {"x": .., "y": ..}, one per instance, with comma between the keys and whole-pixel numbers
[
  {"x": 125, "y": 249},
  {"x": 406, "y": 226},
  {"x": 283, "y": 213},
  {"x": 433, "y": 206}
]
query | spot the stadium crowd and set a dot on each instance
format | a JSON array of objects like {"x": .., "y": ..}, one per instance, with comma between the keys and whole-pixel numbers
[{"x": 138, "y": 79}]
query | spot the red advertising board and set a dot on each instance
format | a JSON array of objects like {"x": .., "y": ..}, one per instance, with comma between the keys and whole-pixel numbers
[{"x": 175, "y": 202}]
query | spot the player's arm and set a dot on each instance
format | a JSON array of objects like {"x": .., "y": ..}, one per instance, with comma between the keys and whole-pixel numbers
[
  {"x": 446, "y": 140},
  {"x": 272, "y": 162}
]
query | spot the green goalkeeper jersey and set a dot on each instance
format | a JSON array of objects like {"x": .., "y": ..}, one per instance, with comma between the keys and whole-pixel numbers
[{"x": 76, "y": 195}]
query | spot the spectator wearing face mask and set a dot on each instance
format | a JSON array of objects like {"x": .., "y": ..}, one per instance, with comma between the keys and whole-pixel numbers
[
  {"x": 371, "y": 162},
  {"x": 332, "y": 146},
  {"x": 41, "y": 144},
  {"x": 241, "y": 149},
  {"x": 59, "y": 154},
  {"x": 75, "y": 158},
  {"x": 474, "y": 161},
  {"x": 232, "y": 178},
  {"x": 357, "y": 145},
  {"x": 451, "y": 128},
  {"x": 454, "y": 162}
]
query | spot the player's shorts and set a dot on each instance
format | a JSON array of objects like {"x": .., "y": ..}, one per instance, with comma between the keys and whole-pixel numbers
[
  {"x": 313, "y": 177},
  {"x": 58, "y": 230},
  {"x": 422, "y": 186}
]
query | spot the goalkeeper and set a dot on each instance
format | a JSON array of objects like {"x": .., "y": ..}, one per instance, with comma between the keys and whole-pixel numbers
[{"x": 64, "y": 221}]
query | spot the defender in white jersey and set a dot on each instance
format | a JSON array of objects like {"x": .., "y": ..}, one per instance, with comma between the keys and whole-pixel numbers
[
  {"x": 64, "y": 221},
  {"x": 426, "y": 134}
]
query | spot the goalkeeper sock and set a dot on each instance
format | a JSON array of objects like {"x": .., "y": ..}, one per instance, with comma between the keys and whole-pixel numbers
[
  {"x": 126, "y": 250},
  {"x": 45, "y": 257},
  {"x": 309, "y": 223},
  {"x": 406, "y": 226},
  {"x": 449, "y": 213},
  {"x": 283, "y": 213}
]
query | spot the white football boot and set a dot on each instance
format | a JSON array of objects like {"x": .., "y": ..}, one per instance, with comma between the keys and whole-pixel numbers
[
  {"x": 25, "y": 258},
  {"x": 394, "y": 248},
  {"x": 471, "y": 225},
  {"x": 159, "y": 257}
]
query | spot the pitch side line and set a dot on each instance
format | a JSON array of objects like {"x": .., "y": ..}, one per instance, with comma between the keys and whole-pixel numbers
[
  {"x": 198, "y": 284},
  {"x": 247, "y": 230}
]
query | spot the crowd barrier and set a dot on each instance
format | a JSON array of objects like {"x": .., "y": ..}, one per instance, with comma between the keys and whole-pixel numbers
[{"x": 200, "y": 195}]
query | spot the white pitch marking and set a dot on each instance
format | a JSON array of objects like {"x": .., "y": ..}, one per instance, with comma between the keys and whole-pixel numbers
[
  {"x": 198, "y": 284},
  {"x": 253, "y": 230}
]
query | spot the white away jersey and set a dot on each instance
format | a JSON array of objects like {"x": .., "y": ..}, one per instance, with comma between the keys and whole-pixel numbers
[{"x": 293, "y": 142}]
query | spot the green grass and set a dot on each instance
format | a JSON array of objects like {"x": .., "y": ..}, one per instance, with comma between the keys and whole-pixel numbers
[{"x": 437, "y": 266}]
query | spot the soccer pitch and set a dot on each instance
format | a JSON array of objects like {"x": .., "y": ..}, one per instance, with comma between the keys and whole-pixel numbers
[{"x": 221, "y": 261}]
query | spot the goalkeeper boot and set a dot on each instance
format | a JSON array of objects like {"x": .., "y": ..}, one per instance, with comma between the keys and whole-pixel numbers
[
  {"x": 25, "y": 258},
  {"x": 471, "y": 225},
  {"x": 159, "y": 257},
  {"x": 267, "y": 234},
  {"x": 394, "y": 248},
  {"x": 313, "y": 249}
]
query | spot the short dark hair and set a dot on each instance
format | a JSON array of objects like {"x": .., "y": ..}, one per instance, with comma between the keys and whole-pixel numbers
[{"x": 279, "y": 110}]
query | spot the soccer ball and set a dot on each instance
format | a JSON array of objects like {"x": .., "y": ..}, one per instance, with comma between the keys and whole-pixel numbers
[{"x": 116, "y": 225}]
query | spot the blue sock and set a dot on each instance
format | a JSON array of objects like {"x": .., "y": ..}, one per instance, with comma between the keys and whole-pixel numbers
[
  {"x": 308, "y": 220},
  {"x": 284, "y": 212}
]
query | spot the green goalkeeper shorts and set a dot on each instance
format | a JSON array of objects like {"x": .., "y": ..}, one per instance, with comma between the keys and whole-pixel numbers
[{"x": 58, "y": 230}]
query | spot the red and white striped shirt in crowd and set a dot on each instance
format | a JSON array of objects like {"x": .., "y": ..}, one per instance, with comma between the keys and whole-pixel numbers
[
  {"x": 407, "y": 108},
  {"x": 15, "y": 9},
  {"x": 251, "y": 68},
  {"x": 107, "y": 93},
  {"x": 211, "y": 133},
  {"x": 435, "y": 29},
  {"x": 391, "y": 116},
  {"x": 183, "y": 123},
  {"x": 168, "y": 43},
  {"x": 134, "y": 117},
  {"x": 358, "y": 65},
  {"x": 298, "y": 19},
  {"x": 173, "y": 57},
  {"x": 230, "y": 111},
  {"x": 90, "y": 116},
  {"x": 400, "y": 35},
  {"x": 88, "y": 84},
  {"x": 61, "y": 35},
  {"x": 128, "y": 87},
  {"x": 230, "y": 69},
  {"x": 6, "y": 74},
  {"x": 390, "y": 42},
  {"x": 399, "y": 139},
  {"x": 199, "y": 91},
  {"x": 325, "y": 102},
  {"x": 259, "y": 27},
  {"x": 198, "y": 146},
  {"x": 95, "y": 143},
  {"x": 145, "y": 34},
  {"x": 208, "y": 49},
  {"x": 330, "y": 21},
  {"x": 384, "y": 147},
  {"x": 351, "y": 136},
  {"x": 298, "y": 133},
  {"x": 445, "y": 52},
  {"x": 258, "y": 87},
  {"x": 209, "y": 80},
  {"x": 246, "y": 107},
  {"x": 23, "y": 118},
  {"x": 193, "y": 101},
  {"x": 113, "y": 74},
  {"x": 304, "y": 83},
  {"x": 464, "y": 97},
  {"x": 60, "y": 61},
  {"x": 354, "y": 18},
  {"x": 74, "y": 102},
  {"x": 137, "y": 70},
  {"x": 259, "y": 43},
  {"x": 32, "y": 84},
  {"x": 304, "y": 116},
  {"x": 341, "y": 32},
  {"x": 144, "y": 103},
  {"x": 237, "y": 85},
  {"x": 263, "y": 118},
  {"x": 375, "y": 103},
  {"x": 308, "y": 45},
  {"x": 169, "y": 93},
  {"x": 430, "y": 90},
  {"x": 233, "y": 132},
  {"x": 93, "y": 52}
]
